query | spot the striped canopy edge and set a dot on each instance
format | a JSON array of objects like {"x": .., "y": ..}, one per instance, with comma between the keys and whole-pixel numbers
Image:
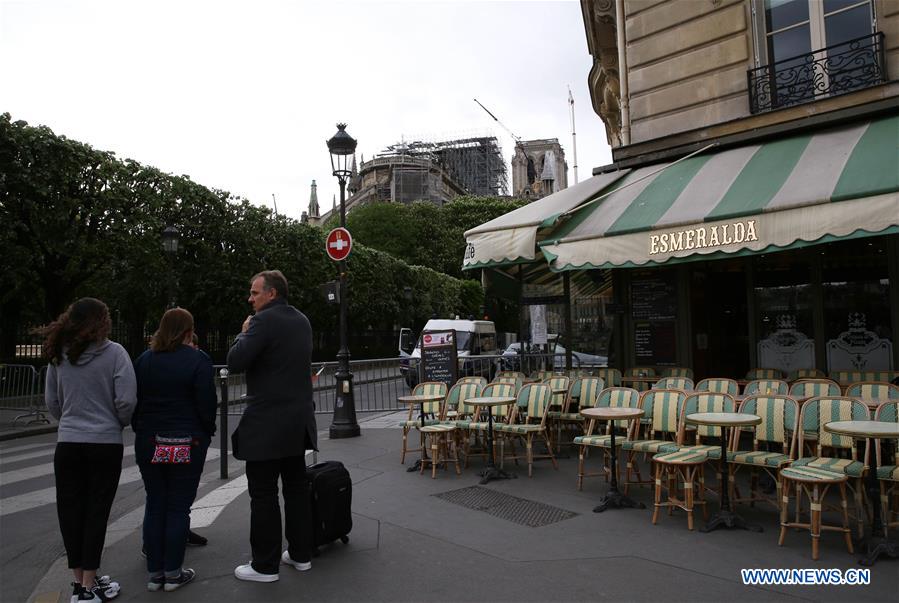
[{"x": 803, "y": 190}]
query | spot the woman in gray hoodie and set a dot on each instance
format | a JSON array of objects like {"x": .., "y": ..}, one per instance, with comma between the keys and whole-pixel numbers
[{"x": 91, "y": 391}]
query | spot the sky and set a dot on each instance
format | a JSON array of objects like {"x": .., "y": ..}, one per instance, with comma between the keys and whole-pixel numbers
[{"x": 241, "y": 96}]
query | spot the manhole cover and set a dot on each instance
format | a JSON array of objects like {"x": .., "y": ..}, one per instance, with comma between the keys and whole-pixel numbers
[{"x": 505, "y": 506}]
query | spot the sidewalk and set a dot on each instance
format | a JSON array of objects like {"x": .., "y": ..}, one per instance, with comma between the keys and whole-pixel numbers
[
  {"x": 11, "y": 429},
  {"x": 409, "y": 545}
]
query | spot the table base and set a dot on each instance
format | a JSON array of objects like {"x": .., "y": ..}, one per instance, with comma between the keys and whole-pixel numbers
[
  {"x": 416, "y": 466},
  {"x": 730, "y": 520},
  {"x": 491, "y": 473},
  {"x": 614, "y": 499},
  {"x": 877, "y": 546}
]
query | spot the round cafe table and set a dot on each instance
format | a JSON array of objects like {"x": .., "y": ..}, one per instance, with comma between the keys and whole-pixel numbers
[
  {"x": 725, "y": 518},
  {"x": 613, "y": 498},
  {"x": 877, "y": 543},
  {"x": 491, "y": 471},
  {"x": 420, "y": 399}
]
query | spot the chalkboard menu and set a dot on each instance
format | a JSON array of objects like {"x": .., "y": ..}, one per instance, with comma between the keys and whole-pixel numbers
[
  {"x": 654, "y": 298},
  {"x": 655, "y": 343},
  {"x": 438, "y": 357}
]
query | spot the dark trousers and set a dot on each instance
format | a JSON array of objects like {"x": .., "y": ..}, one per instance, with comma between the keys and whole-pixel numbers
[
  {"x": 171, "y": 490},
  {"x": 265, "y": 511},
  {"x": 87, "y": 477}
]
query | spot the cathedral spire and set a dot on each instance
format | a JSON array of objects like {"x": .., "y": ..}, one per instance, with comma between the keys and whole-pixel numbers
[{"x": 313, "y": 202}]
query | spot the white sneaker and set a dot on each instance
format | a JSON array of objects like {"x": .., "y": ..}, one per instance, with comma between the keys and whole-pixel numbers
[
  {"x": 301, "y": 566},
  {"x": 246, "y": 572}
]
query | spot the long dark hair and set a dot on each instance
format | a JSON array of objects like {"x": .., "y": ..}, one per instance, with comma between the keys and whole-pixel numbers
[
  {"x": 175, "y": 324},
  {"x": 83, "y": 323}
]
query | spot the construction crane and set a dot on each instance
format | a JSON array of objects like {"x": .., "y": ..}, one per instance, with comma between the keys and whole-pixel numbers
[{"x": 532, "y": 174}]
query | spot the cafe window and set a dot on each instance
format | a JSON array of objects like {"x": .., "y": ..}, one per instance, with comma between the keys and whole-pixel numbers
[
  {"x": 856, "y": 296},
  {"x": 783, "y": 297}
]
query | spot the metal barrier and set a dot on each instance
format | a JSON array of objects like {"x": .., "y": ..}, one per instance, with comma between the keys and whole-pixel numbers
[{"x": 22, "y": 388}]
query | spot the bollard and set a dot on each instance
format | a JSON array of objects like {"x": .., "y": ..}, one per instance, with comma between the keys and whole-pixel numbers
[{"x": 223, "y": 422}]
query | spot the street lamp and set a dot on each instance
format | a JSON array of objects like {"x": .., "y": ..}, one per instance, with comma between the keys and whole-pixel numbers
[
  {"x": 342, "y": 146},
  {"x": 170, "y": 239}
]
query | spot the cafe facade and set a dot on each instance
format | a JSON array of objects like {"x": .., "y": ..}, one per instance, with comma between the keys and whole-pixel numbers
[{"x": 752, "y": 232}]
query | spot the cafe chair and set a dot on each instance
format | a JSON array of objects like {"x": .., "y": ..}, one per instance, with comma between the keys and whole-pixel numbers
[
  {"x": 513, "y": 374},
  {"x": 776, "y": 387},
  {"x": 663, "y": 407},
  {"x": 847, "y": 378},
  {"x": 432, "y": 412},
  {"x": 873, "y": 390},
  {"x": 805, "y": 373},
  {"x": 700, "y": 435},
  {"x": 583, "y": 393},
  {"x": 515, "y": 382},
  {"x": 640, "y": 371},
  {"x": 676, "y": 471},
  {"x": 441, "y": 440},
  {"x": 528, "y": 422},
  {"x": 456, "y": 408},
  {"x": 558, "y": 383},
  {"x": 888, "y": 468},
  {"x": 764, "y": 373},
  {"x": 610, "y": 376},
  {"x": 810, "y": 388},
  {"x": 480, "y": 380},
  {"x": 620, "y": 397},
  {"x": 813, "y": 415},
  {"x": 673, "y": 383},
  {"x": 773, "y": 444},
  {"x": 678, "y": 371},
  {"x": 580, "y": 372},
  {"x": 719, "y": 385},
  {"x": 540, "y": 376},
  {"x": 479, "y": 425},
  {"x": 814, "y": 483}
]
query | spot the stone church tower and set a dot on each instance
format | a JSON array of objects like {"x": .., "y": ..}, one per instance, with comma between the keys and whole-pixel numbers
[
  {"x": 539, "y": 168},
  {"x": 313, "y": 214}
]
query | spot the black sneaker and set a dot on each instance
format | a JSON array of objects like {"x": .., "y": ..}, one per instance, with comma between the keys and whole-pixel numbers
[
  {"x": 101, "y": 594},
  {"x": 194, "y": 539},
  {"x": 187, "y": 575}
]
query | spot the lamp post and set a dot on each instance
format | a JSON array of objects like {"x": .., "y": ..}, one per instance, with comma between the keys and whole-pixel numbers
[
  {"x": 342, "y": 146},
  {"x": 170, "y": 239}
]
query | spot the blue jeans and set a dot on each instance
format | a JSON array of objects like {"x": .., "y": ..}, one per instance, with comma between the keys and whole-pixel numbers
[{"x": 171, "y": 490}]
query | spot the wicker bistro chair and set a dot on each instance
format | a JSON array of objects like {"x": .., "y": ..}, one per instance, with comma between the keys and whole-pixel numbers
[
  {"x": 814, "y": 483},
  {"x": 764, "y": 373},
  {"x": 528, "y": 422},
  {"x": 580, "y": 372},
  {"x": 479, "y": 425},
  {"x": 433, "y": 412},
  {"x": 678, "y": 371},
  {"x": 776, "y": 387},
  {"x": 583, "y": 393},
  {"x": 805, "y": 373},
  {"x": 513, "y": 374},
  {"x": 810, "y": 388},
  {"x": 719, "y": 385},
  {"x": 814, "y": 414},
  {"x": 847, "y": 378},
  {"x": 621, "y": 397},
  {"x": 776, "y": 432},
  {"x": 556, "y": 383},
  {"x": 456, "y": 408},
  {"x": 664, "y": 408},
  {"x": 540, "y": 376},
  {"x": 516, "y": 382},
  {"x": 888, "y": 468},
  {"x": 640, "y": 371},
  {"x": 873, "y": 390},
  {"x": 482, "y": 381},
  {"x": 673, "y": 383},
  {"x": 610, "y": 376}
]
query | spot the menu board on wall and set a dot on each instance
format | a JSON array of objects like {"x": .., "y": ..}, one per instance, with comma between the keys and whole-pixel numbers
[
  {"x": 654, "y": 298},
  {"x": 655, "y": 342},
  {"x": 438, "y": 357}
]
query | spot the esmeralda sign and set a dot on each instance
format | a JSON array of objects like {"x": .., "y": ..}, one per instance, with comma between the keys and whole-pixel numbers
[{"x": 703, "y": 237}]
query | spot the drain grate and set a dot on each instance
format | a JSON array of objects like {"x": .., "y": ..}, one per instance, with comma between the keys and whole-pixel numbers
[{"x": 505, "y": 506}]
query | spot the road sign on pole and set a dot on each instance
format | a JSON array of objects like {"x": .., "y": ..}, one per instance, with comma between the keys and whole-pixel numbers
[{"x": 339, "y": 244}]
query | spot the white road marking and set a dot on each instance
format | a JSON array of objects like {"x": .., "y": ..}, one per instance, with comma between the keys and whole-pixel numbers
[
  {"x": 12, "y": 449},
  {"x": 18, "y": 475},
  {"x": 46, "y": 496},
  {"x": 207, "y": 509}
]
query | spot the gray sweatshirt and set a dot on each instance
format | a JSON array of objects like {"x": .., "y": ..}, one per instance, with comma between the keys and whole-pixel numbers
[{"x": 94, "y": 398}]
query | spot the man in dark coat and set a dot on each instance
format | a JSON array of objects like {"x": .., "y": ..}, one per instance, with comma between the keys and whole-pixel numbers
[{"x": 274, "y": 350}]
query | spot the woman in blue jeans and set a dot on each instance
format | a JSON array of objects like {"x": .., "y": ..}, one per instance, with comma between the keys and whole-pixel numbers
[{"x": 173, "y": 425}]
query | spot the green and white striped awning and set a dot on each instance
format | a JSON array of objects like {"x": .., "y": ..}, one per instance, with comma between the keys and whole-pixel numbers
[
  {"x": 512, "y": 238},
  {"x": 805, "y": 189}
]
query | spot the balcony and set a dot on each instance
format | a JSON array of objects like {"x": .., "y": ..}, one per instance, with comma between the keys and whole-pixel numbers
[{"x": 824, "y": 73}]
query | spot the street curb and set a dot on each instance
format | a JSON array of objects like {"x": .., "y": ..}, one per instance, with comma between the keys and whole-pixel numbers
[{"x": 15, "y": 435}]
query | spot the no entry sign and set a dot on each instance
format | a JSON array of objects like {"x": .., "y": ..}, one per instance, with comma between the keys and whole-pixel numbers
[{"x": 339, "y": 244}]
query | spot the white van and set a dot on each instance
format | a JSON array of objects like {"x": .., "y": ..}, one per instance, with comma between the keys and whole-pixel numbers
[{"x": 473, "y": 338}]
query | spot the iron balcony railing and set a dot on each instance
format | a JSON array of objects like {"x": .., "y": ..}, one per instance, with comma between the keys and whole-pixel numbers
[{"x": 824, "y": 73}]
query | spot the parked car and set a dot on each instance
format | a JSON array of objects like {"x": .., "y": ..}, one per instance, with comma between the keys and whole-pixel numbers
[{"x": 511, "y": 357}]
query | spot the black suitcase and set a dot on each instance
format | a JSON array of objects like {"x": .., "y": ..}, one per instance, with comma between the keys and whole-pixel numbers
[{"x": 331, "y": 490}]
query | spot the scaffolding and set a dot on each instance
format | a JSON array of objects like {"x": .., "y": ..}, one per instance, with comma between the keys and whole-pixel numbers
[{"x": 476, "y": 164}]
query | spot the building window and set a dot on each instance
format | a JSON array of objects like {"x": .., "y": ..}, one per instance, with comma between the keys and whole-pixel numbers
[{"x": 810, "y": 49}]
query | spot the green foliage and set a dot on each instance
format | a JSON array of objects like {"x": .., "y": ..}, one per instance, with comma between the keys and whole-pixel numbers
[{"x": 78, "y": 221}]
